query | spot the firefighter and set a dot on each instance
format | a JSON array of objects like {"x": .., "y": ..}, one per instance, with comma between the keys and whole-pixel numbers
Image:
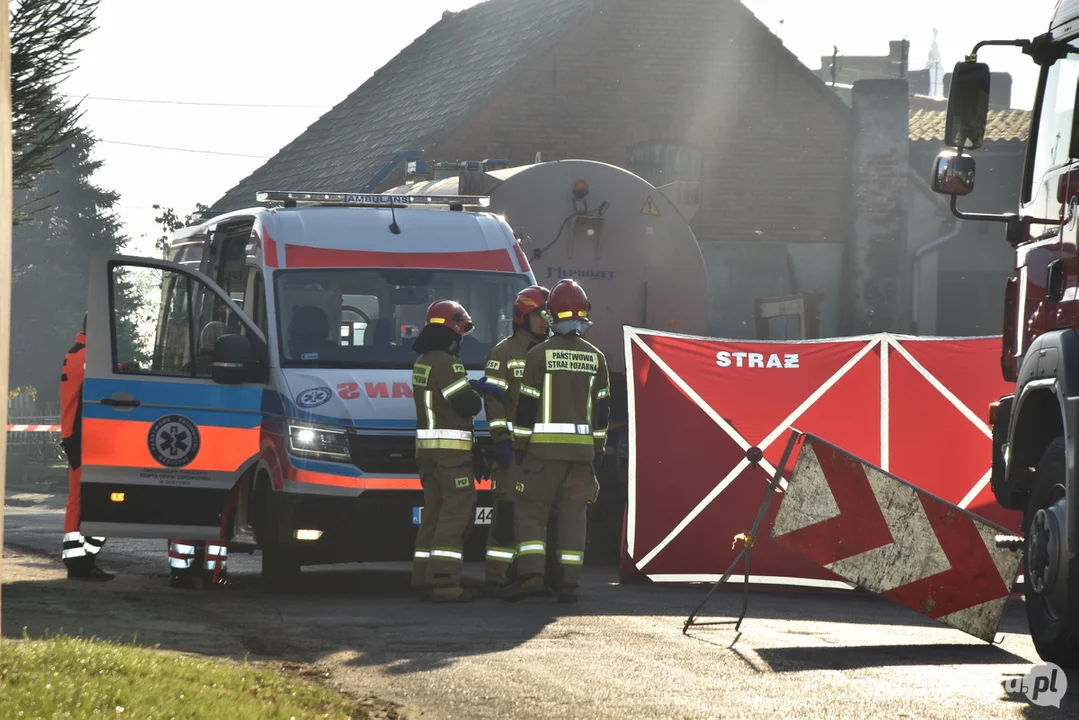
[
  {"x": 79, "y": 553},
  {"x": 560, "y": 432},
  {"x": 504, "y": 370},
  {"x": 446, "y": 403}
]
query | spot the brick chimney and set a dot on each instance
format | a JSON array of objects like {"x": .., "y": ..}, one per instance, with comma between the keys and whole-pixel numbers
[{"x": 875, "y": 274}]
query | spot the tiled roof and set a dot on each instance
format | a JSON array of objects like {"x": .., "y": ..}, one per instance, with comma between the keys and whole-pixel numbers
[
  {"x": 1004, "y": 125},
  {"x": 426, "y": 90}
]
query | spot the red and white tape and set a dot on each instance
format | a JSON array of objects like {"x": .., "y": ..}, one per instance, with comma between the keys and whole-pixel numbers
[{"x": 33, "y": 428}]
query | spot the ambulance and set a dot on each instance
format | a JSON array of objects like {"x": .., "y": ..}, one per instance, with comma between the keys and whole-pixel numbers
[{"x": 272, "y": 354}]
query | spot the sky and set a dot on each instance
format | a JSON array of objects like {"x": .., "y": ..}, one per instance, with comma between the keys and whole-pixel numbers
[{"x": 210, "y": 58}]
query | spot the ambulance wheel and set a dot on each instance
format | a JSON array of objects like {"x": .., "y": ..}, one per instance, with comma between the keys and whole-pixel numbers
[
  {"x": 1052, "y": 587},
  {"x": 280, "y": 560}
]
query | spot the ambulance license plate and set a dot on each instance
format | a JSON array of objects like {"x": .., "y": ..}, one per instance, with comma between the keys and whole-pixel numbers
[{"x": 483, "y": 515}]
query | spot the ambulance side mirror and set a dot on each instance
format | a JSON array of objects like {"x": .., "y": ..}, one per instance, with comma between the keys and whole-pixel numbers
[{"x": 234, "y": 360}]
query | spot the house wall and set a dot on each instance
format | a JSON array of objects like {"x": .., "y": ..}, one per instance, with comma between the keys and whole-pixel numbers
[{"x": 972, "y": 268}]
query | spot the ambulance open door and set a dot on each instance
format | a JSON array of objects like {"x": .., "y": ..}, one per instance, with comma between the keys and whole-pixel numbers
[{"x": 163, "y": 443}]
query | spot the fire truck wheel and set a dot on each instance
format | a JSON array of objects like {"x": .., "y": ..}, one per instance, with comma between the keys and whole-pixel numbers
[{"x": 1052, "y": 587}]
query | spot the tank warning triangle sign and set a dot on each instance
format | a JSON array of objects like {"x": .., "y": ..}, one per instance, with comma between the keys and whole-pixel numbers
[{"x": 650, "y": 208}]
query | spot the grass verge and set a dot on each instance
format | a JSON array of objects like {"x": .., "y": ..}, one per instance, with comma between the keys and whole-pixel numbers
[{"x": 76, "y": 678}]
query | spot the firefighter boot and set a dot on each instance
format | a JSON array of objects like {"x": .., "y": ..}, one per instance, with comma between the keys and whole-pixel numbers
[
  {"x": 218, "y": 581},
  {"x": 492, "y": 588},
  {"x": 181, "y": 580},
  {"x": 449, "y": 594},
  {"x": 526, "y": 587},
  {"x": 567, "y": 594}
]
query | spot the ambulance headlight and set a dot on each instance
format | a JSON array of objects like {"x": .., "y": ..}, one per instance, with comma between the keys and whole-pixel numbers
[{"x": 327, "y": 443}]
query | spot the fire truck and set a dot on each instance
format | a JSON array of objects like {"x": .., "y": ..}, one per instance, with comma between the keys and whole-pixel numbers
[{"x": 1036, "y": 428}]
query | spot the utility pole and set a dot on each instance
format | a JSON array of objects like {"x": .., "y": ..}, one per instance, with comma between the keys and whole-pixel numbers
[
  {"x": 5, "y": 243},
  {"x": 835, "y": 63}
]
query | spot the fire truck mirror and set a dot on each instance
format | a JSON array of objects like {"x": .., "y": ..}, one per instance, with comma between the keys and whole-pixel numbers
[
  {"x": 968, "y": 106},
  {"x": 953, "y": 174}
]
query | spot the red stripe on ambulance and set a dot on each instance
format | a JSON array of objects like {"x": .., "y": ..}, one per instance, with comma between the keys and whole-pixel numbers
[{"x": 297, "y": 256}]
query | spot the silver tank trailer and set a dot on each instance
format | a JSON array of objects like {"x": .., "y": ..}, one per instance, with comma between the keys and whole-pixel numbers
[{"x": 625, "y": 241}]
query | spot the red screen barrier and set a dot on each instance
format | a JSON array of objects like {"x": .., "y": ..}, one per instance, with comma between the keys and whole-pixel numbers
[{"x": 916, "y": 407}]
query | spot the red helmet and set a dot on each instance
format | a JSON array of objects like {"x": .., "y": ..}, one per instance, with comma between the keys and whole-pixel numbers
[
  {"x": 451, "y": 314},
  {"x": 568, "y": 301},
  {"x": 529, "y": 300}
]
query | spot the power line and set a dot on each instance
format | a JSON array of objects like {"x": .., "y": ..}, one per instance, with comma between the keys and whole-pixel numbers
[
  {"x": 176, "y": 149},
  {"x": 198, "y": 104}
]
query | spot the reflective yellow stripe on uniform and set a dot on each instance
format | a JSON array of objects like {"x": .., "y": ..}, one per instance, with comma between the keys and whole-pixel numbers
[
  {"x": 591, "y": 382},
  {"x": 548, "y": 387},
  {"x": 532, "y": 547},
  {"x": 494, "y": 424},
  {"x": 530, "y": 391},
  {"x": 571, "y": 558},
  {"x": 447, "y": 554},
  {"x": 505, "y": 555},
  {"x": 421, "y": 555},
  {"x": 564, "y": 433},
  {"x": 444, "y": 439},
  {"x": 497, "y": 382},
  {"x": 605, "y": 392},
  {"x": 454, "y": 388},
  {"x": 428, "y": 399}
]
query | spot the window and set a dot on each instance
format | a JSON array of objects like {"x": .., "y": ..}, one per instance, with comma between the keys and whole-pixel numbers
[
  {"x": 165, "y": 322},
  {"x": 358, "y": 312},
  {"x": 254, "y": 304},
  {"x": 1053, "y": 142},
  {"x": 661, "y": 162},
  {"x": 366, "y": 317}
]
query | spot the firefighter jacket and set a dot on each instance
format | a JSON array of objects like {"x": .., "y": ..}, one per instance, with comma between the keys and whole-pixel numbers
[
  {"x": 505, "y": 368},
  {"x": 71, "y": 400},
  {"x": 445, "y": 404},
  {"x": 565, "y": 401}
]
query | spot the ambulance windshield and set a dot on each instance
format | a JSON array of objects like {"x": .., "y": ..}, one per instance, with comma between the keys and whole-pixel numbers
[{"x": 369, "y": 318}]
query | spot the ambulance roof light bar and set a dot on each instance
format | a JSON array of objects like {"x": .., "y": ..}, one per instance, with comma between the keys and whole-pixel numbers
[{"x": 370, "y": 200}]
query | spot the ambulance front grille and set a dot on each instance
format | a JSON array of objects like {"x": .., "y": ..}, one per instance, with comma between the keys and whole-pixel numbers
[{"x": 383, "y": 453}]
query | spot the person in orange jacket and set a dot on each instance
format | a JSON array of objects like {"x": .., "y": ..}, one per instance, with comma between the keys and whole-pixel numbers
[{"x": 79, "y": 553}]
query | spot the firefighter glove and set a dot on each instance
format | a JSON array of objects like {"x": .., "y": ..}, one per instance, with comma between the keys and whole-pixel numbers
[{"x": 482, "y": 387}]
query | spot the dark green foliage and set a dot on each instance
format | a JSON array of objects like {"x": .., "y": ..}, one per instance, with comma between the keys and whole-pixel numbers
[{"x": 50, "y": 258}]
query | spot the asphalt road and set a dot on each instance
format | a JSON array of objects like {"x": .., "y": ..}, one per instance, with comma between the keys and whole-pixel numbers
[{"x": 619, "y": 653}]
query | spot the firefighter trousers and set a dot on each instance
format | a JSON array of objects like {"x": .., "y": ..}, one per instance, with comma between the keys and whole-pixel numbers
[
  {"x": 501, "y": 537},
  {"x": 568, "y": 487},
  {"x": 449, "y": 495},
  {"x": 79, "y": 553}
]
